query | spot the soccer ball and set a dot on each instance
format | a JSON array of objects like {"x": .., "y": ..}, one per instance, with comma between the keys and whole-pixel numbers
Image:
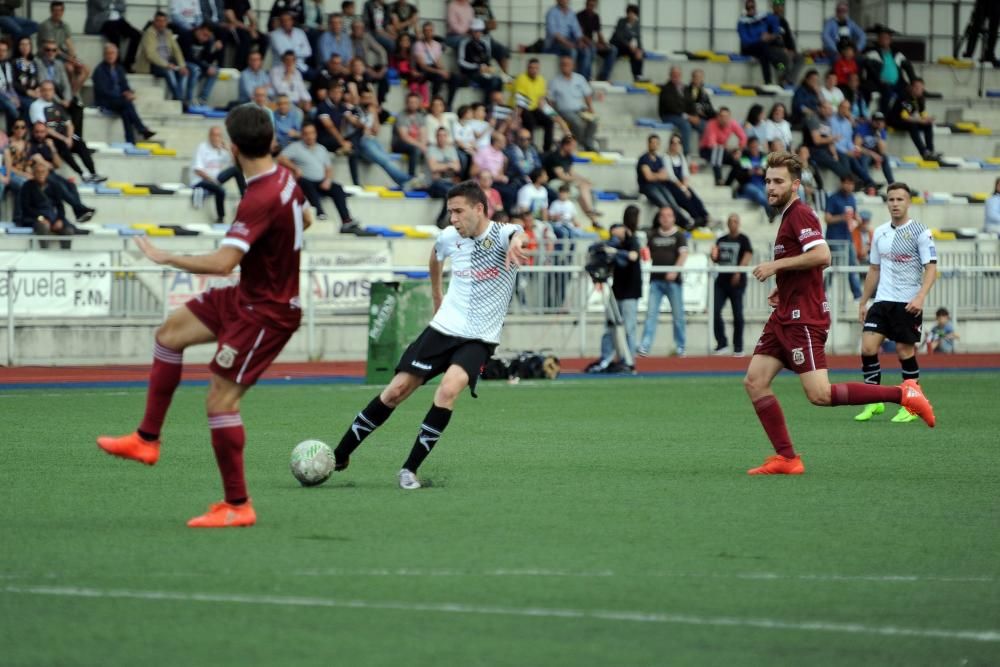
[{"x": 312, "y": 462}]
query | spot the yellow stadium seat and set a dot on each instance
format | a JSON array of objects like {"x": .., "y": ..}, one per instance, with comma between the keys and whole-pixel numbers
[
  {"x": 410, "y": 232},
  {"x": 118, "y": 185},
  {"x": 980, "y": 196},
  {"x": 392, "y": 194},
  {"x": 982, "y": 131},
  {"x": 912, "y": 159},
  {"x": 993, "y": 160},
  {"x": 928, "y": 164},
  {"x": 159, "y": 231},
  {"x": 145, "y": 226},
  {"x": 149, "y": 145},
  {"x": 375, "y": 188},
  {"x": 943, "y": 236},
  {"x": 167, "y": 152},
  {"x": 702, "y": 234},
  {"x": 967, "y": 126},
  {"x": 601, "y": 160},
  {"x": 918, "y": 200},
  {"x": 134, "y": 191}
]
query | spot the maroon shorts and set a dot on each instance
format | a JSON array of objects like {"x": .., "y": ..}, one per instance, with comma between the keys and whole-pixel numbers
[
  {"x": 246, "y": 347},
  {"x": 800, "y": 347}
]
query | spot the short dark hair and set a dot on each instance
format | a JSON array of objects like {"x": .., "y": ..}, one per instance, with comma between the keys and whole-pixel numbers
[
  {"x": 848, "y": 178},
  {"x": 533, "y": 61},
  {"x": 916, "y": 79},
  {"x": 287, "y": 53},
  {"x": 942, "y": 312},
  {"x": 898, "y": 185},
  {"x": 652, "y": 136},
  {"x": 564, "y": 187},
  {"x": 345, "y": 4},
  {"x": 462, "y": 110},
  {"x": 535, "y": 173},
  {"x": 308, "y": 123},
  {"x": 567, "y": 140},
  {"x": 251, "y": 130},
  {"x": 726, "y": 109},
  {"x": 159, "y": 14},
  {"x": 472, "y": 193},
  {"x": 205, "y": 26},
  {"x": 632, "y": 8},
  {"x": 56, "y": 3}
]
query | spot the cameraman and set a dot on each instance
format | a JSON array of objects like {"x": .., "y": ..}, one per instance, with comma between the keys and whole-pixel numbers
[{"x": 627, "y": 288}]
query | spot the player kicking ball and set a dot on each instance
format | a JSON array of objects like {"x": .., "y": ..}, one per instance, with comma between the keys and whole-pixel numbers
[
  {"x": 462, "y": 335},
  {"x": 903, "y": 269},
  {"x": 795, "y": 334},
  {"x": 250, "y": 322}
]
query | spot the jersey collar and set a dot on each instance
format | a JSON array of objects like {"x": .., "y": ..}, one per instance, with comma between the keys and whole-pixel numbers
[
  {"x": 908, "y": 221},
  {"x": 486, "y": 233},
  {"x": 791, "y": 203},
  {"x": 264, "y": 174}
]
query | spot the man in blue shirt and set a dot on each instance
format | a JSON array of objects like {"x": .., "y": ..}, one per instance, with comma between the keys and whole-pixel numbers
[
  {"x": 253, "y": 77},
  {"x": 841, "y": 219},
  {"x": 335, "y": 40},
  {"x": 112, "y": 92},
  {"x": 874, "y": 149},
  {"x": 564, "y": 37},
  {"x": 840, "y": 28},
  {"x": 842, "y": 124},
  {"x": 760, "y": 37}
]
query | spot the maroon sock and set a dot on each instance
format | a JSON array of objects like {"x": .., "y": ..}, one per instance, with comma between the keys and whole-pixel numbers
[
  {"x": 857, "y": 393},
  {"x": 773, "y": 420},
  {"x": 164, "y": 377},
  {"x": 228, "y": 439}
]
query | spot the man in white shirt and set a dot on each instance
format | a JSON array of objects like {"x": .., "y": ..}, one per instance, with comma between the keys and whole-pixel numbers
[
  {"x": 211, "y": 158},
  {"x": 289, "y": 38}
]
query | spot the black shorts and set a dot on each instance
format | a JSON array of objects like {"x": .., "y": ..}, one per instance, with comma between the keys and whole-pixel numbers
[
  {"x": 433, "y": 352},
  {"x": 890, "y": 319}
]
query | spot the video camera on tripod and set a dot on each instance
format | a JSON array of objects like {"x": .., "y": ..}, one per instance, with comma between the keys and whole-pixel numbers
[{"x": 601, "y": 260}]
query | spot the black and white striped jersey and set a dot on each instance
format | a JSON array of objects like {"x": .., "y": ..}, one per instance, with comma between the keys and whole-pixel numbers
[
  {"x": 481, "y": 285},
  {"x": 901, "y": 254}
]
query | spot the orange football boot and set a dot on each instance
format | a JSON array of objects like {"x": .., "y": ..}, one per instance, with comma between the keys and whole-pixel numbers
[
  {"x": 224, "y": 515},
  {"x": 916, "y": 403},
  {"x": 779, "y": 465},
  {"x": 131, "y": 446}
]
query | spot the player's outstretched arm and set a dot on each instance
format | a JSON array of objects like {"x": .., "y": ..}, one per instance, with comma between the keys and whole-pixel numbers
[
  {"x": 222, "y": 262},
  {"x": 818, "y": 255},
  {"x": 515, "y": 252}
]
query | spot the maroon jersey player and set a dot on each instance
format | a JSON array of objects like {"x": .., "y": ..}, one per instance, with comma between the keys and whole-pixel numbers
[
  {"x": 795, "y": 334},
  {"x": 249, "y": 322}
]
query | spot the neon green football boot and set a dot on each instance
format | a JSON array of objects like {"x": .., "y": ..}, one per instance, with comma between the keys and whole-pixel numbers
[
  {"x": 870, "y": 411},
  {"x": 904, "y": 416}
]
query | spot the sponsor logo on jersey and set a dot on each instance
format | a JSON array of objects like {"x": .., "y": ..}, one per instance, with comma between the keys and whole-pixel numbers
[
  {"x": 779, "y": 249},
  {"x": 226, "y": 356},
  {"x": 796, "y": 314},
  {"x": 798, "y": 358},
  {"x": 421, "y": 365},
  {"x": 807, "y": 232},
  {"x": 898, "y": 257},
  {"x": 239, "y": 228},
  {"x": 490, "y": 273},
  {"x": 295, "y": 303},
  {"x": 826, "y": 306}
]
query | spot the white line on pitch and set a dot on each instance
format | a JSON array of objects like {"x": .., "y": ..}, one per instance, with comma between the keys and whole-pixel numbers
[{"x": 535, "y": 612}]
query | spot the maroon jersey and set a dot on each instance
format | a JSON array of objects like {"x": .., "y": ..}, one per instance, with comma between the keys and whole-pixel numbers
[
  {"x": 268, "y": 229},
  {"x": 801, "y": 295}
]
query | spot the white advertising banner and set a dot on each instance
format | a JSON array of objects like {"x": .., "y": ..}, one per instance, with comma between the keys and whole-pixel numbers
[{"x": 56, "y": 284}]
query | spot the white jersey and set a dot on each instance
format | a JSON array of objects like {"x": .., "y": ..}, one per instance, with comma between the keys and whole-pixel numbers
[
  {"x": 481, "y": 285},
  {"x": 901, "y": 254}
]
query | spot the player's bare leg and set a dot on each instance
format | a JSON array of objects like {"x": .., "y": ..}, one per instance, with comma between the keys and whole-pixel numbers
[
  {"x": 228, "y": 441},
  {"x": 871, "y": 369},
  {"x": 180, "y": 330},
  {"x": 454, "y": 382},
  {"x": 760, "y": 375},
  {"x": 374, "y": 415}
]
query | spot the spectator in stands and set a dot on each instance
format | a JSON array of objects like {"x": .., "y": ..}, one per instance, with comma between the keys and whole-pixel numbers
[
  {"x": 288, "y": 121},
  {"x": 443, "y": 169},
  {"x": 842, "y": 124},
  {"x": 310, "y": 163},
  {"x": 732, "y": 249},
  {"x": 533, "y": 109},
  {"x": 333, "y": 71},
  {"x": 26, "y": 73},
  {"x": 409, "y": 135},
  {"x": 534, "y": 196},
  {"x": 10, "y": 101},
  {"x": 377, "y": 23},
  {"x": 831, "y": 92},
  {"x": 910, "y": 114},
  {"x": 564, "y": 37},
  {"x": 760, "y": 37},
  {"x": 296, "y": 8},
  {"x": 41, "y": 206},
  {"x": 871, "y": 137},
  {"x": 499, "y": 114},
  {"x": 806, "y": 97},
  {"x": 203, "y": 55},
  {"x": 286, "y": 79},
  {"x": 572, "y": 98},
  {"x": 16, "y": 162},
  {"x": 427, "y": 53},
  {"x": 887, "y": 70},
  {"x": 253, "y": 76},
  {"x": 160, "y": 54},
  {"x": 458, "y": 22},
  {"x": 492, "y": 158},
  {"x": 367, "y": 49},
  {"x": 795, "y": 59},
  {"x": 627, "y": 39},
  {"x": 563, "y": 217},
  {"x": 335, "y": 40},
  {"x": 288, "y": 37},
  {"x": 714, "y": 140},
  {"x": 17, "y": 27},
  {"x": 941, "y": 338},
  {"x": 107, "y": 18},
  {"x": 238, "y": 27},
  {"x": 673, "y": 106},
  {"x": 364, "y": 117},
  {"x": 699, "y": 104},
  {"x": 559, "y": 165},
  {"x": 55, "y": 117},
  {"x": 667, "y": 247},
  {"x": 56, "y": 30},
  {"x": 840, "y": 29},
  {"x": 404, "y": 62},
  {"x": 186, "y": 15},
  {"x": 112, "y": 92},
  {"x": 818, "y": 135},
  {"x": 210, "y": 159},
  {"x": 348, "y": 9},
  {"x": 590, "y": 25},
  {"x": 51, "y": 68},
  {"x": 754, "y": 123},
  {"x": 846, "y": 64},
  {"x": 474, "y": 57},
  {"x": 679, "y": 184},
  {"x": 501, "y": 53},
  {"x": 992, "y": 221},
  {"x": 777, "y": 128},
  {"x": 841, "y": 221},
  {"x": 464, "y": 136},
  {"x": 437, "y": 118},
  {"x": 403, "y": 19},
  {"x": 856, "y": 96},
  {"x": 523, "y": 157},
  {"x": 748, "y": 177},
  {"x": 811, "y": 192},
  {"x": 41, "y": 147},
  {"x": 494, "y": 202},
  {"x": 652, "y": 176},
  {"x": 329, "y": 120}
]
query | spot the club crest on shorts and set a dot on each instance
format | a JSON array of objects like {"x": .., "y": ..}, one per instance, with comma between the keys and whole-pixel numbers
[
  {"x": 798, "y": 358},
  {"x": 226, "y": 356}
]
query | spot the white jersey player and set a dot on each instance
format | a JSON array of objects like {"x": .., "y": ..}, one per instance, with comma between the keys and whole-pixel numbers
[{"x": 465, "y": 329}]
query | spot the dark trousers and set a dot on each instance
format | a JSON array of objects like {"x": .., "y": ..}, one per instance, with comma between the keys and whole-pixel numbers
[
  {"x": 118, "y": 30},
  {"x": 718, "y": 156},
  {"x": 411, "y": 152},
  {"x": 219, "y": 193},
  {"x": 838, "y": 165},
  {"x": 537, "y": 118},
  {"x": 635, "y": 63},
  {"x": 436, "y": 81},
  {"x": 768, "y": 55},
  {"x": 986, "y": 13},
  {"x": 921, "y": 134},
  {"x": 233, "y": 172},
  {"x": 66, "y": 192},
  {"x": 689, "y": 202},
  {"x": 314, "y": 193},
  {"x": 78, "y": 148},
  {"x": 724, "y": 289},
  {"x": 130, "y": 117},
  {"x": 242, "y": 43},
  {"x": 485, "y": 83}
]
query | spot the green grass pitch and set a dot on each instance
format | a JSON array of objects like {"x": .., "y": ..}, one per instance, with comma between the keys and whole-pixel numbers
[{"x": 572, "y": 522}]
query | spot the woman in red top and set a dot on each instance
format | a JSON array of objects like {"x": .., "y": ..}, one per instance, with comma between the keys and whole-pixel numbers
[{"x": 402, "y": 61}]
